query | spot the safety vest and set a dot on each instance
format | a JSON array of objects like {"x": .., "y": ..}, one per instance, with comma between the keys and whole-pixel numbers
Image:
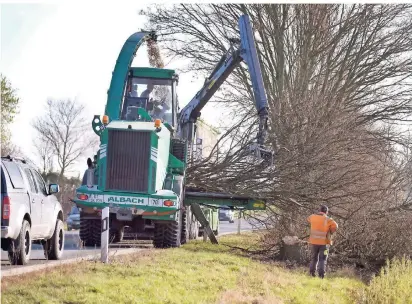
[{"x": 321, "y": 227}]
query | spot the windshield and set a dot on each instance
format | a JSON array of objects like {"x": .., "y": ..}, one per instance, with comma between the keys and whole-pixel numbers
[{"x": 155, "y": 95}]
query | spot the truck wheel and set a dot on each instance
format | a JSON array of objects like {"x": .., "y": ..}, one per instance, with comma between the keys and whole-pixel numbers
[
  {"x": 85, "y": 231},
  {"x": 173, "y": 232},
  {"x": 159, "y": 235},
  {"x": 97, "y": 232},
  {"x": 172, "y": 235},
  {"x": 185, "y": 226},
  {"x": 20, "y": 248},
  {"x": 90, "y": 232},
  {"x": 53, "y": 248}
]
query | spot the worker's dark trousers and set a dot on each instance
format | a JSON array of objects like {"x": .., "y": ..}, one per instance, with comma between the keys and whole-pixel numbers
[{"x": 319, "y": 256}]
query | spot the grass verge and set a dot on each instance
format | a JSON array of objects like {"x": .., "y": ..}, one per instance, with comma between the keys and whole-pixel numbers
[
  {"x": 195, "y": 273},
  {"x": 393, "y": 285}
]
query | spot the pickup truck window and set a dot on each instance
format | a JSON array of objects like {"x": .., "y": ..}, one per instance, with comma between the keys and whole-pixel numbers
[
  {"x": 15, "y": 174},
  {"x": 40, "y": 183},
  {"x": 33, "y": 187}
]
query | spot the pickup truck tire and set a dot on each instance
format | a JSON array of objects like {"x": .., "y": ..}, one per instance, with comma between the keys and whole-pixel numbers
[
  {"x": 20, "y": 248},
  {"x": 53, "y": 248}
]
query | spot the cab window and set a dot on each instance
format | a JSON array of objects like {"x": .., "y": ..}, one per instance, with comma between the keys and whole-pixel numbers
[
  {"x": 154, "y": 95},
  {"x": 30, "y": 178},
  {"x": 41, "y": 186}
]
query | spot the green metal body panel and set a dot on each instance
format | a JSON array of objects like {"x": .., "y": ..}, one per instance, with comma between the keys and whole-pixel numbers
[
  {"x": 152, "y": 73},
  {"x": 121, "y": 70},
  {"x": 248, "y": 204}
]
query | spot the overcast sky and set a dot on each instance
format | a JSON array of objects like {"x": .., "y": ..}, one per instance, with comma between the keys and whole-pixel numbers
[{"x": 69, "y": 51}]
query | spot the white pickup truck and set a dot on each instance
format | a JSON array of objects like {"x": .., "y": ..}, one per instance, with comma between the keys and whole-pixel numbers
[{"x": 30, "y": 213}]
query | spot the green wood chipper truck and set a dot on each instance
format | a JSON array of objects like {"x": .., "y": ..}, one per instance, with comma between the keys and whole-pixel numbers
[{"x": 145, "y": 146}]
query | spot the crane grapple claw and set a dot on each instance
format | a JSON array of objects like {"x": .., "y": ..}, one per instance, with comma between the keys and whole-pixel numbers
[{"x": 262, "y": 154}]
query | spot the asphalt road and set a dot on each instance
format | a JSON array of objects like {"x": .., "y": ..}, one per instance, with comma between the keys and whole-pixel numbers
[{"x": 72, "y": 249}]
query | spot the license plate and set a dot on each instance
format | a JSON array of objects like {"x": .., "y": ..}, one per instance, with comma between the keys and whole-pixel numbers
[{"x": 95, "y": 198}]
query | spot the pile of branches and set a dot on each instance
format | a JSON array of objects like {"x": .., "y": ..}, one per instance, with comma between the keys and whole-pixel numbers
[{"x": 339, "y": 89}]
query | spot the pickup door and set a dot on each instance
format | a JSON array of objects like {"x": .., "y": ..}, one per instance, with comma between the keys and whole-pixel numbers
[
  {"x": 48, "y": 204},
  {"x": 37, "y": 228}
]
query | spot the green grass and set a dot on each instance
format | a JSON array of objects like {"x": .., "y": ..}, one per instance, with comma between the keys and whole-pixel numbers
[
  {"x": 393, "y": 285},
  {"x": 196, "y": 273}
]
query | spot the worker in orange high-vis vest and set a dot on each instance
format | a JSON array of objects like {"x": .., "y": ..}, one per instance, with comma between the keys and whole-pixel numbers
[{"x": 321, "y": 229}]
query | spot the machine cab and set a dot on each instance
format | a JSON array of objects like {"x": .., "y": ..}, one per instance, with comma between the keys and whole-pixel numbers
[{"x": 151, "y": 91}]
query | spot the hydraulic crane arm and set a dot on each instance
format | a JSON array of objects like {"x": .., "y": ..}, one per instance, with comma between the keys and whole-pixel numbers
[{"x": 243, "y": 50}]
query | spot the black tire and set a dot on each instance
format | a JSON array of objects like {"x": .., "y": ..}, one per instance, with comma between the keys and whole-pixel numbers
[
  {"x": 185, "y": 235},
  {"x": 90, "y": 232},
  {"x": 20, "y": 248},
  {"x": 159, "y": 235},
  {"x": 168, "y": 234},
  {"x": 172, "y": 235},
  {"x": 53, "y": 248}
]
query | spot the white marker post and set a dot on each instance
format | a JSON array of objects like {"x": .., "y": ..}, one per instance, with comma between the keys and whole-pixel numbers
[
  {"x": 238, "y": 223},
  {"x": 105, "y": 236}
]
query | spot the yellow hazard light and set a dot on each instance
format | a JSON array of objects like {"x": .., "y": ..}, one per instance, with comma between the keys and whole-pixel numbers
[
  {"x": 105, "y": 119},
  {"x": 157, "y": 123}
]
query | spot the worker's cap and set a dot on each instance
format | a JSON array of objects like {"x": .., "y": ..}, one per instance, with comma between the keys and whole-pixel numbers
[{"x": 324, "y": 208}]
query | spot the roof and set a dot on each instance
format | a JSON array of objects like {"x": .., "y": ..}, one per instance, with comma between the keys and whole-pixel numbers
[{"x": 153, "y": 72}]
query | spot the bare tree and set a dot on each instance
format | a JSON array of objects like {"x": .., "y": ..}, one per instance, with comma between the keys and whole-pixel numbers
[
  {"x": 64, "y": 129},
  {"x": 44, "y": 150},
  {"x": 338, "y": 80}
]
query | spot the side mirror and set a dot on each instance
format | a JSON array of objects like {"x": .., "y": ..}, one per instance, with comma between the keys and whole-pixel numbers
[{"x": 53, "y": 188}]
